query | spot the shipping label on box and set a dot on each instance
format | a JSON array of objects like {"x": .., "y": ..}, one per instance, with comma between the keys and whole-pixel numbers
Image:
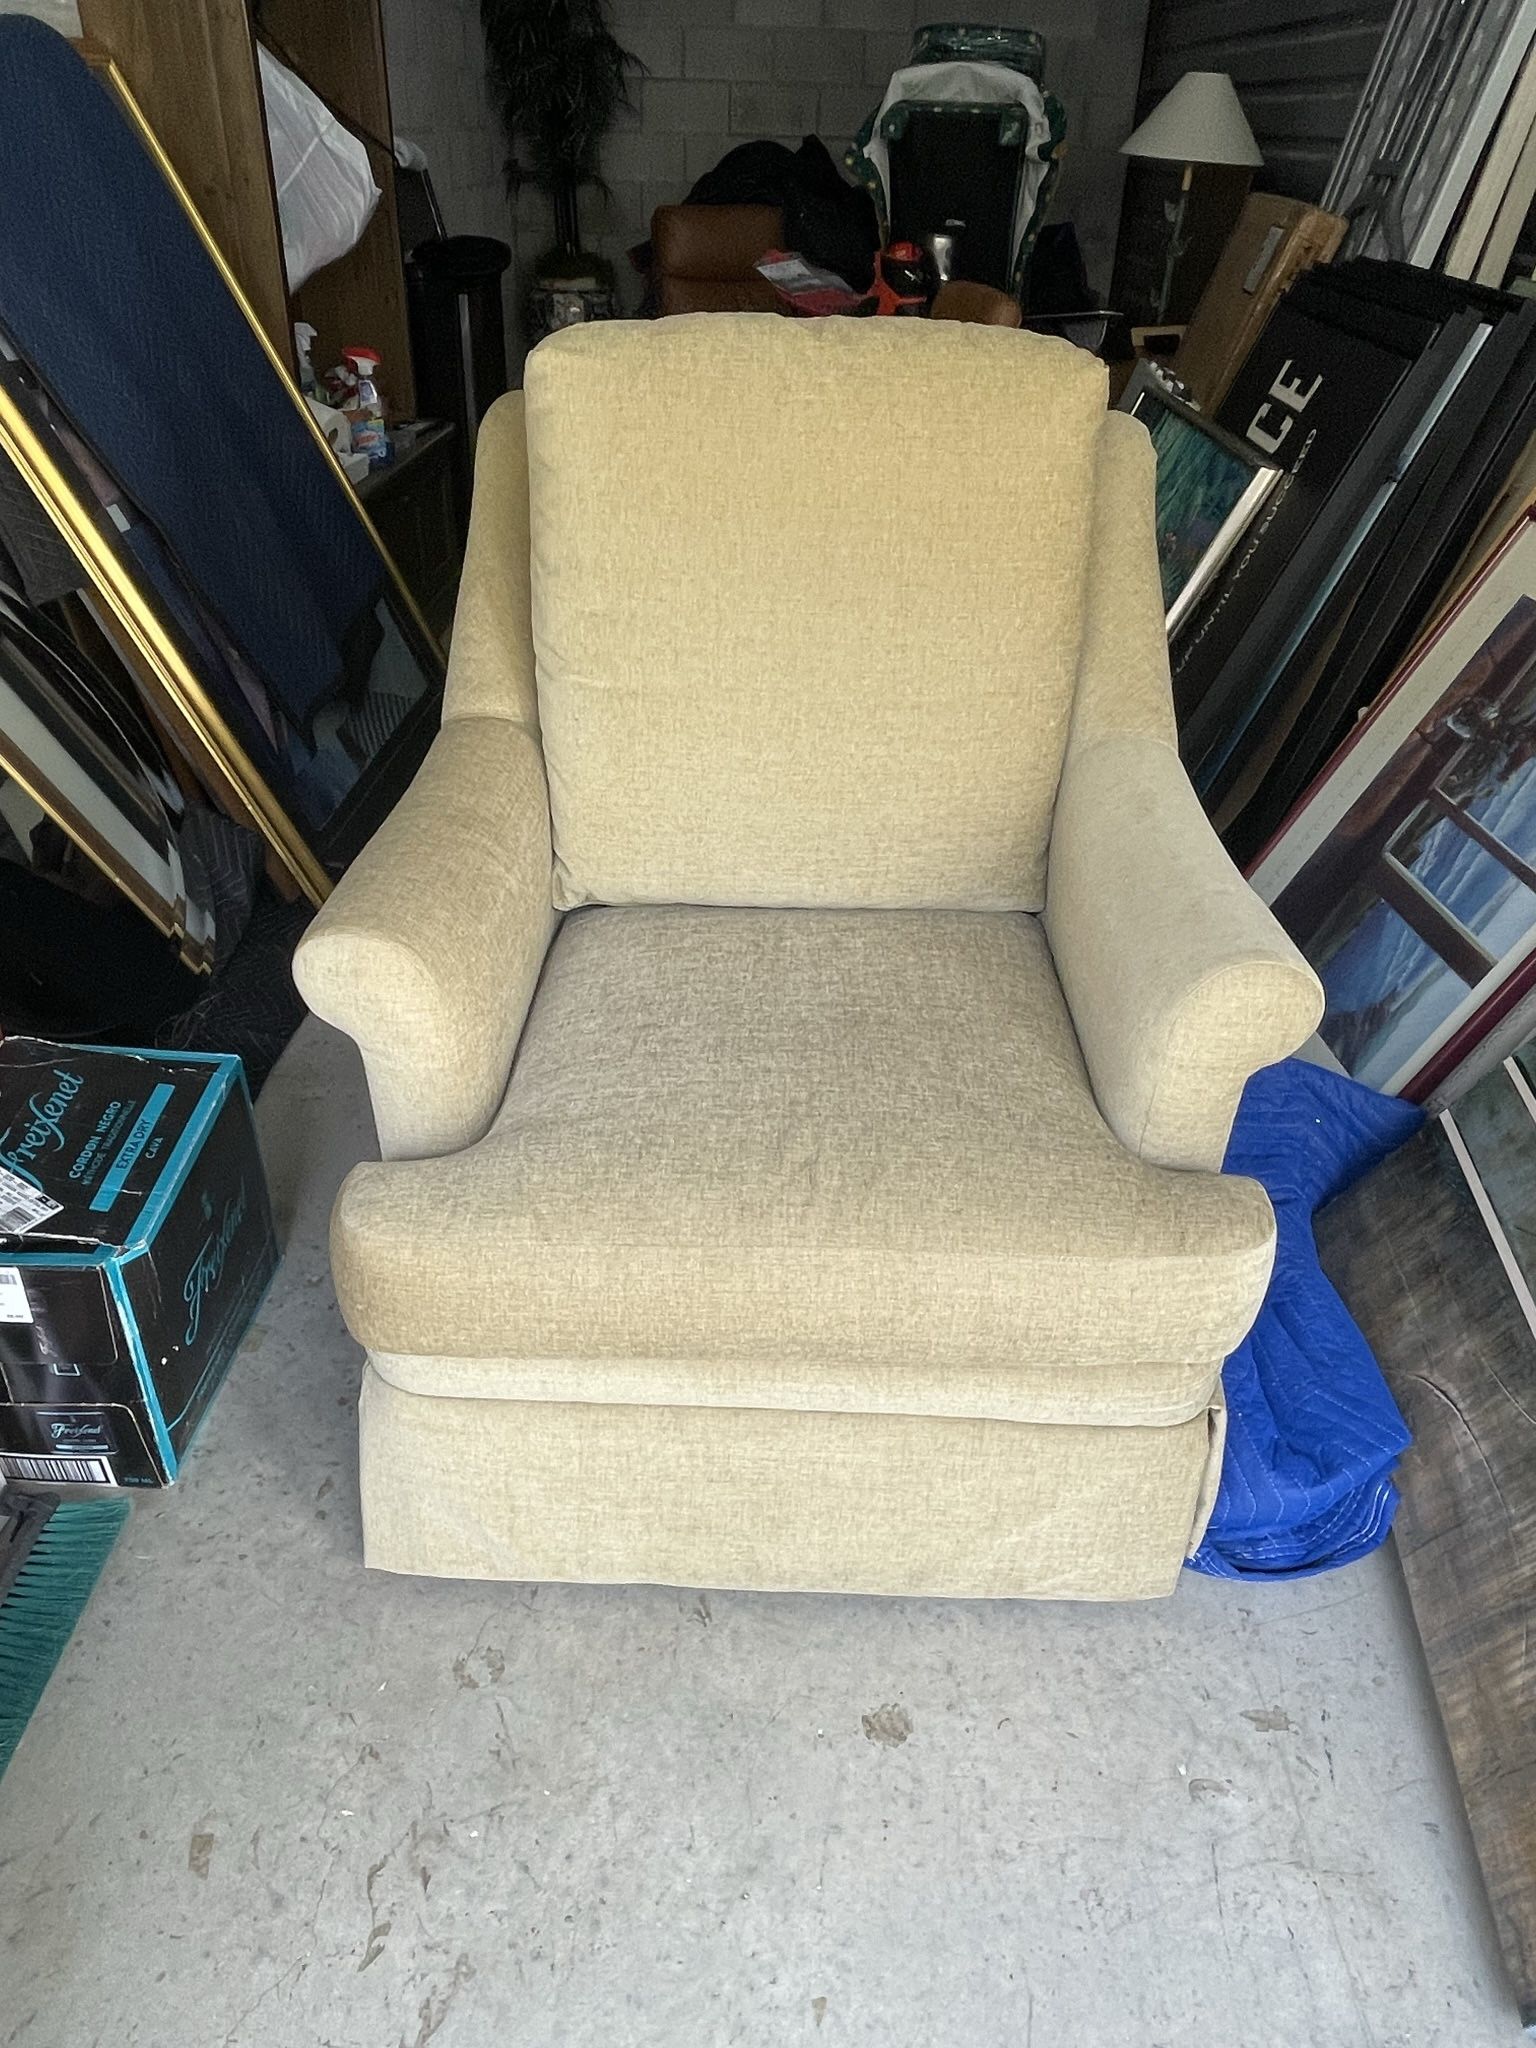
[{"x": 136, "y": 1241}]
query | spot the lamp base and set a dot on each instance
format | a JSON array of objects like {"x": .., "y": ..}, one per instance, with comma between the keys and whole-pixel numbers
[{"x": 1175, "y": 212}]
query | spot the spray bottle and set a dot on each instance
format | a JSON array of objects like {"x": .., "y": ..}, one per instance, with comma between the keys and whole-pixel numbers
[
  {"x": 370, "y": 436},
  {"x": 304, "y": 342}
]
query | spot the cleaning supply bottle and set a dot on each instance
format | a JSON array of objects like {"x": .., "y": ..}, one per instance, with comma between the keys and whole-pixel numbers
[
  {"x": 370, "y": 436},
  {"x": 304, "y": 342}
]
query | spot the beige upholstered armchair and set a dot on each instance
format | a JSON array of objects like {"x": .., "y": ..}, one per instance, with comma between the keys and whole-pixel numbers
[{"x": 803, "y": 1003}]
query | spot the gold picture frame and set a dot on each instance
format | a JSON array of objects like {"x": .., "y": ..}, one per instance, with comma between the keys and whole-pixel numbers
[
  {"x": 150, "y": 647},
  {"x": 101, "y": 797}
]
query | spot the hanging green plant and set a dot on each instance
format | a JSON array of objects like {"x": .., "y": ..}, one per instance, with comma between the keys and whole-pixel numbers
[{"x": 557, "y": 74}]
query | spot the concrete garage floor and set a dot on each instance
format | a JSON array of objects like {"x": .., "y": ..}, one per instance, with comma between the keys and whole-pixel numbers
[{"x": 271, "y": 1801}]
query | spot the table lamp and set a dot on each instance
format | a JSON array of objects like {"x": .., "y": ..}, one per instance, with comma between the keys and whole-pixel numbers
[{"x": 1201, "y": 121}]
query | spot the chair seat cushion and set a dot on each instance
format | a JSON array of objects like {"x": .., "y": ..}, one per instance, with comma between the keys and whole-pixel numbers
[{"x": 853, "y": 1143}]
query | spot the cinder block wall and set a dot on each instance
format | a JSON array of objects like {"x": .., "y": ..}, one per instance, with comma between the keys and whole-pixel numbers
[{"x": 721, "y": 72}]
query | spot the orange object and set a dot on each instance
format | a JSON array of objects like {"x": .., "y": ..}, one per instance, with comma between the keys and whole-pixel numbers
[{"x": 900, "y": 284}]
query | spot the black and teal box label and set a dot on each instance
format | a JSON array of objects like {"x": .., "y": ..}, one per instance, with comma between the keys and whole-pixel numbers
[{"x": 136, "y": 1242}]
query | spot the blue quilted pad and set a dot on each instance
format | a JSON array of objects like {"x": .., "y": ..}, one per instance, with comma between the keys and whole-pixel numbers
[{"x": 1313, "y": 1433}]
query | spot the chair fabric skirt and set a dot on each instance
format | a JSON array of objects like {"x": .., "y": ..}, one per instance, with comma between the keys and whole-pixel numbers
[{"x": 780, "y": 1499}]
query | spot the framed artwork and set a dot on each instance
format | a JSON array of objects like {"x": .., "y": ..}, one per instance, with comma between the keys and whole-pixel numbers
[
  {"x": 95, "y": 772},
  {"x": 1428, "y": 112},
  {"x": 1210, "y": 487},
  {"x": 228, "y": 559},
  {"x": 1432, "y": 1251},
  {"x": 1350, "y": 366},
  {"x": 1407, "y": 874}
]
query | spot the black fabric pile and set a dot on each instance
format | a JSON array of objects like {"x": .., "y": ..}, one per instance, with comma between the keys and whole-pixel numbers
[{"x": 826, "y": 219}]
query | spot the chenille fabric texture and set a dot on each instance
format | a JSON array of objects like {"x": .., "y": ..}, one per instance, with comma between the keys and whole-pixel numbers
[
  {"x": 732, "y": 1134},
  {"x": 829, "y": 1198},
  {"x": 832, "y": 672},
  {"x": 778, "y": 1499}
]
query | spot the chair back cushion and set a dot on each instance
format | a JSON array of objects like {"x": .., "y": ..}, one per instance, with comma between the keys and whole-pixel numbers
[
  {"x": 807, "y": 598},
  {"x": 715, "y": 244},
  {"x": 704, "y": 258}
]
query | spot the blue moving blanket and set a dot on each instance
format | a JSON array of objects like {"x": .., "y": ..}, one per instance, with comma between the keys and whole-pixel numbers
[{"x": 1313, "y": 1433}]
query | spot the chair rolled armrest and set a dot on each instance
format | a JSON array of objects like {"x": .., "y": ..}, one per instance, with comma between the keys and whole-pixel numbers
[
  {"x": 428, "y": 949},
  {"x": 1180, "y": 982}
]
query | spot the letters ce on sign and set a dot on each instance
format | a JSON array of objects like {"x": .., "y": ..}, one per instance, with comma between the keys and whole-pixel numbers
[{"x": 1283, "y": 405}]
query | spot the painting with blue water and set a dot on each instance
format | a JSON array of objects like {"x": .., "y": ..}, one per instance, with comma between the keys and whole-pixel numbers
[{"x": 1408, "y": 877}]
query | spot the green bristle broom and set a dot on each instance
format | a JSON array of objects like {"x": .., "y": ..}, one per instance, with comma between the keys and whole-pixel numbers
[{"x": 51, "y": 1553}]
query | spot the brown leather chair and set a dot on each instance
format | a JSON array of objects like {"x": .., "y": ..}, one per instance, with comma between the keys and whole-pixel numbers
[
  {"x": 703, "y": 257},
  {"x": 962, "y": 300}
]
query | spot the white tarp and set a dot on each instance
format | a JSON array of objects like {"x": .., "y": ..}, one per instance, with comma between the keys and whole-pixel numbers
[{"x": 325, "y": 187}]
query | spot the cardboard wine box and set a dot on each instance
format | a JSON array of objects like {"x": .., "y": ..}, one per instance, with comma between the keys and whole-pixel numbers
[{"x": 136, "y": 1242}]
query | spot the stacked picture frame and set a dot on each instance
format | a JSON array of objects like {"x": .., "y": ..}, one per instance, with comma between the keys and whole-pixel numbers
[
  {"x": 82, "y": 754},
  {"x": 1348, "y": 550},
  {"x": 1407, "y": 873},
  {"x": 281, "y": 673},
  {"x": 1211, "y": 487},
  {"x": 1435, "y": 1255},
  {"x": 1449, "y": 89}
]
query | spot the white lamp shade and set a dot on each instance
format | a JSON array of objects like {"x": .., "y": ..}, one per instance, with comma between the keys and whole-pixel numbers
[{"x": 1200, "y": 122}]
